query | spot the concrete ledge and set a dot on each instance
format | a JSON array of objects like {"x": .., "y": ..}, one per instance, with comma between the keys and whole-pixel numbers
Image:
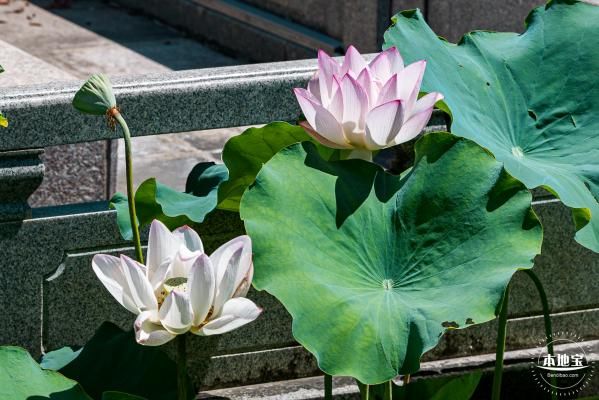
[
  {"x": 517, "y": 364},
  {"x": 169, "y": 102}
]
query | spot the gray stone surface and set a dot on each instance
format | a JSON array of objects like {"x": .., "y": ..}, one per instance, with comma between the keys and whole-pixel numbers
[
  {"x": 158, "y": 103},
  {"x": 74, "y": 173},
  {"x": 452, "y": 19},
  {"x": 21, "y": 173},
  {"x": 70, "y": 44}
]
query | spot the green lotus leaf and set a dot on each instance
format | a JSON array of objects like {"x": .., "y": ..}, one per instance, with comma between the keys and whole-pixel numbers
[
  {"x": 22, "y": 378},
  {"x": 531, "y": 99},
  {"x": 154, "y": 200},
  {"x": 95, "y": 96},
  {"x": 113, "y": 361},
  {"x": 245, "y": 154},
  {"x": 57, "y": 359},
  {"x": 120, "y": 396},
  {"x": 374, "y": 267}
]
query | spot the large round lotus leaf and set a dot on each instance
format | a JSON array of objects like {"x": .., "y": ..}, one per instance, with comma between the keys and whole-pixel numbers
[
  {"x": 245, "y": 154},
  {"x": 374, "y": 268},
  {"x": 22, "y": 378},
  {"x": 531, "y": 99}
]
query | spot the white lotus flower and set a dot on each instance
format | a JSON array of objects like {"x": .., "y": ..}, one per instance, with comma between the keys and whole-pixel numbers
[
  {"x": 365, "y": 107},
  {"x": 181, "y": 289}
]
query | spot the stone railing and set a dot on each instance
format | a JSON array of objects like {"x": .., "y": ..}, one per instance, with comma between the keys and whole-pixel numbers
[{"x": 49, "y": 296}]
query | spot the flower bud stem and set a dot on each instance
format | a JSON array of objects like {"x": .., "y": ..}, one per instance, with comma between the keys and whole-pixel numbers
[
  {"x": 546, "y": 318},
  {"x": 181, "y": 368},
  {"x": 388, "y": 391},
  {"x": 328, "y": 387},
  {"x": 130, "y": 193},
  {"x": 499, "y": 352}
]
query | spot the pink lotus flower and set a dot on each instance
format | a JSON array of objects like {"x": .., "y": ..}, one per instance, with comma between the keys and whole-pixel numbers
[{"x": 365, "y": 107}]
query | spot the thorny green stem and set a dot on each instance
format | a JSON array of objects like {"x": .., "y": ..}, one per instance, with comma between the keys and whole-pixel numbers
[
  {"x": 546, "y": 319},
  {"x": 501, "y": 331},
  {"x": 328, "y": 387},
  {"x": 130, "y": 193},
  {"x": 181, "y": 368}
]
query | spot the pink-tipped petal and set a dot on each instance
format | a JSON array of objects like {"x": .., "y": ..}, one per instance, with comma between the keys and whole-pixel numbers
[
  {"x": 365, "y": 80},
  {"x": 426, "y": 102},
  {"x": 314, "y": 86},
  {"x": 353, "y": 62},
  {"x": 386, "y": 64},
  {"x": 319, "y": 118},
  {"x": 389, "y": 91},
  {"x": 327, "y": 68},
  {"x": 110, "y": 272},
  {"x": 142, "y": 292},
  {"x": 321, "y": 139},
  {"x": 189, "y": 238},
  {"x": 384, "y": 122},
  {"x": 202, "y": 286},
  {"x": 409, "y": 80},
  {"x": 413, "y": 126},
  {"x": 355, "y": 104},
  {"x": 175, "y": 313},
  {"x": 235, "y": 313},
  {"x": 148, "y": 333}
]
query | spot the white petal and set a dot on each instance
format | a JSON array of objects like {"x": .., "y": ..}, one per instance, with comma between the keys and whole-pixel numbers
[
  {"x": 231, "y": 263},
  {"x": 162, "y": 247},
  {"x": 320, "y": 119},
  {"x": 386, "y": 64},
  {"x": 189, "y": 238},
  {"x": 408, "y": 81},
  {"x": 389, "y": 91},
  {"x": 236, "y": 313},
  {"x": 355, "y": 104},
  {"x": 142, "y": 292},
  {"x": 175, "y": 313},
  {"x": 384, "y": 122},
  {"x": 314, "y": 86},
  {"x": 413, "y": 126},
  {"x": 181, "y": 265},
  {"x": 365, "y": 80},
  {"x": 110, "y": 272},
  {"x": 327, "y": 68},
  {"x": 426, "y": 102},
  {"x": 202, "y": 286},
  {"x": 244, "y": 286},
  {"x": 148, "y": 333},
  {"x": 335, "y": 106},
  {"x": 320, "y": 138},
  {"x": 353, "y": 62}
]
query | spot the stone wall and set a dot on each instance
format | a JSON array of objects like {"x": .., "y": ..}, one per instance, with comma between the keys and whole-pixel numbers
[{"x": 269, "y": 30}]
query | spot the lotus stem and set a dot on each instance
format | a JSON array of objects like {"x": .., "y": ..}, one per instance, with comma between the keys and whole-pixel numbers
[
  {"x": 546, "y": 319},
  {"x": 328, "y": 387},
  {"x": 406, "y": 379},
  {"x": 501, "y": 331},
  {"x": 181, "y": 368},
  {"x": 130, "y": 193},
  {"x": 388, "y": 391},
  {"x": 366, "y": 392}
]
